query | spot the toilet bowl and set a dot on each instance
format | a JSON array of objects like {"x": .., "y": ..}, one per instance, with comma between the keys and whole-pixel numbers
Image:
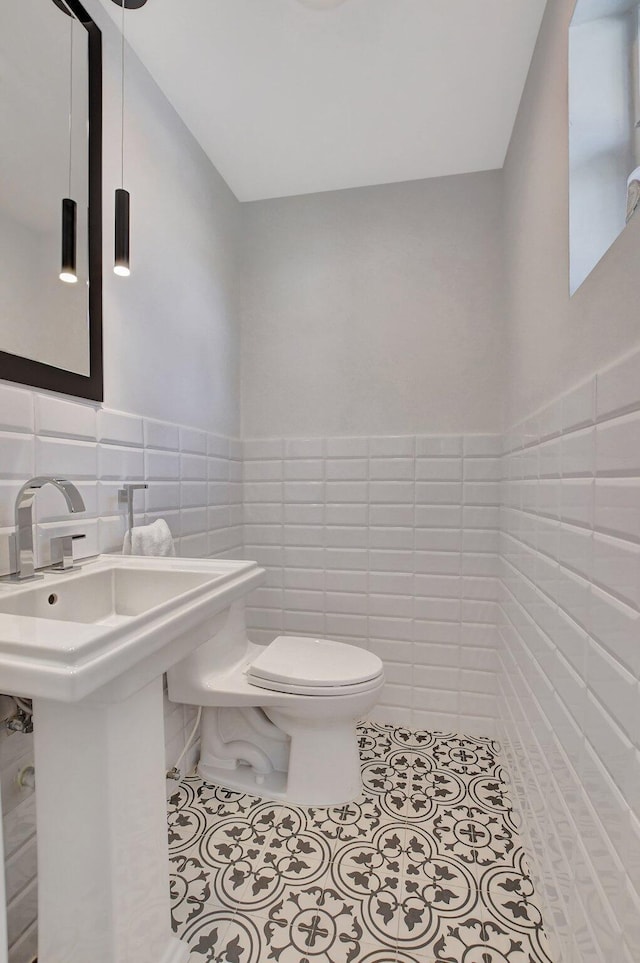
[{"x": 279, "y": 720}]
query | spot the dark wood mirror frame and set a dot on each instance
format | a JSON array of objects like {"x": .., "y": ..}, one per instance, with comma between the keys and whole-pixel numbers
[{"x": 34, "y": 373}]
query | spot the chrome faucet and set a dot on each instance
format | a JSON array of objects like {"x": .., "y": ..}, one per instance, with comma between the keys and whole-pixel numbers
[{"x": 21, "y": 543}]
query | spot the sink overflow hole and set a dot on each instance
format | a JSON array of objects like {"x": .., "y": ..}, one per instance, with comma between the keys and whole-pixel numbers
[{"x": 53, "y": 598}]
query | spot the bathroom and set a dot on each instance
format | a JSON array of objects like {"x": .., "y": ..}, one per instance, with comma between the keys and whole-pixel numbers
[{"x": 357, "y": 347}]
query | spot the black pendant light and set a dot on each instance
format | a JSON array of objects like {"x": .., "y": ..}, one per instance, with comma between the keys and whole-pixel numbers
[
  {"x": 121, "y": 253},
  {"x": 121, "y": 265},
  {"x": 68, "y": 272}
]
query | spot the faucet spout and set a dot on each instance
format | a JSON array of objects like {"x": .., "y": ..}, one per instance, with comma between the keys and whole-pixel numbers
[
  {"x": 73, "y": 498},
  {"x": 23, "y": 546}
]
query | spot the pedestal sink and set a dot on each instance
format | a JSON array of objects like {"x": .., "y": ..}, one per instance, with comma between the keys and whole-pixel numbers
[{"x": 90, "y": 647}]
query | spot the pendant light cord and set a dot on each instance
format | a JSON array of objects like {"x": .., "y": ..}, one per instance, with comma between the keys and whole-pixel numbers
[
  {"x": 124, "y": 6},
  {"x": 70, "y": 100}
]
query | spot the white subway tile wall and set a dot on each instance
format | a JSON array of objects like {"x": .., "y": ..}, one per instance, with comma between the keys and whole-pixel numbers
[
  {"x": 389, "y": 543},
  {"x": 502, "y": 591},
  {"x": 570, "y": 656},
  {"x": 195, "y": 482}
]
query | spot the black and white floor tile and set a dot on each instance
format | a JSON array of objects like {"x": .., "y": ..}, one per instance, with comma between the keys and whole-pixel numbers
[{"x": 426, "y": 866}]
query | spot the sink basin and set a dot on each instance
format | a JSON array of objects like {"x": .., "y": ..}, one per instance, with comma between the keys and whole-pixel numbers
[
  {"x": 90, "y": 648},
  {"x": 75, "y": 632},
  {"x": 105, "y": 597}
]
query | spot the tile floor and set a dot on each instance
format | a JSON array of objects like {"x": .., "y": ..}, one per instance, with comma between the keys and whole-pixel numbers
[{"x": 425, "y": 866}]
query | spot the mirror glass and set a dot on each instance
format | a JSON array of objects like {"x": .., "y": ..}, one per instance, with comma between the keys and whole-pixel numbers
[
  {"x": 604, "y": 117},
  {"x": 46, "y": 325}
]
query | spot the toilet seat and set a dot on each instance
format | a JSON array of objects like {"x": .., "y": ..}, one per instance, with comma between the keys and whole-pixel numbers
[{"x": 304, "y": 666}]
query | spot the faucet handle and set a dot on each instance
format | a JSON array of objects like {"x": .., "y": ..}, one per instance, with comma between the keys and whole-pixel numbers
[
  {"x": 125, "y": 497},
  {"x": 126, "y": 490},
  {"x": 62, "y": 552}
]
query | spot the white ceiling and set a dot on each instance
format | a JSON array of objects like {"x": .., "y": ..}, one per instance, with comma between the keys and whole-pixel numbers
[{"x": 290, "y": 100}]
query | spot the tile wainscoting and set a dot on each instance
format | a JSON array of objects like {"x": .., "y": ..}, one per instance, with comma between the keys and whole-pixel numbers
[
  {"x": 570, "y": 654},
  {"x": 501, "y": 590},
  {"x": 195, "y": 482},
  {"x": 390, "y": 543}
]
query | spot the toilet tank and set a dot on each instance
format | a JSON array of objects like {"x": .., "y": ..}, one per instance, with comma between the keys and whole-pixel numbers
[{"x": 227, "y": 646}]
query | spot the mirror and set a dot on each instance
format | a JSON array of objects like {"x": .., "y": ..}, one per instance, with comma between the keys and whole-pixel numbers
[{"x": 51, "y": 146}]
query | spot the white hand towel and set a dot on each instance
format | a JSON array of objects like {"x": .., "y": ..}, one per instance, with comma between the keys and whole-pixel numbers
[{"x": 152, "y": 539}]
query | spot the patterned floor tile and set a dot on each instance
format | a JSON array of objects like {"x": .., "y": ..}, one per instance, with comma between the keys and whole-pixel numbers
[
  {"x": 226, "y": 855},
  {"x": 281, "y": 850},
  {"x": 372, "y": 954},
  {"x": 352, "y": 821},
  {"x": 233, "y": 838},
  {"x": 313, "y": 922},
  {"x": 295, "y": 835},
  {"x": 426, "y": 866},
  {"x": 475, "y": 837},
  {"x": 509, "y": 898},
  {"x": 490, "y": 791},
  {"x": 184, "y": 793},
  {"x": 186, "y": 826},
  {"x": 409, "y": 739},
  {"x": 190, "y": 888},
  {"x": 374, "y": 741},
  {"x": 194, "y": 806},
  {"x": 271, "y": 879},
  {"x": 403, "y": 886},
  {"x": 479, "y": 940},
  {"x": 218, "y": 801},
  {"x": 407, "y": 784},
  {"x": 224, "y": 937},
  {"x": 365, "y": 867},
  {"x": 466, "y": 756}
]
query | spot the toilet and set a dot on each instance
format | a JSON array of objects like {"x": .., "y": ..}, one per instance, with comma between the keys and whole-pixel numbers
[{"x": 279, "y": 720}]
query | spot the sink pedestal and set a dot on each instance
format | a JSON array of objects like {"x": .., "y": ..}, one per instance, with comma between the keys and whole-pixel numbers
[
  {"x": 90, "y": 648},
  {"x": 103, "y": 887}
]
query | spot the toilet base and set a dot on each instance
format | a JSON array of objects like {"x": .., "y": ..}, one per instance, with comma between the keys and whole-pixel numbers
[
  {"x": 272, "y": 785},
  {"x": 324, "y": 762},
  {"x": 309, "y": 762}
]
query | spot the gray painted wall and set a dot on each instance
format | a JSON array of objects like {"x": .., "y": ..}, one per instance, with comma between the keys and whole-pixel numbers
[
  {"x": 172, "y": 328},
  {"x": 375, "y": 311},
  {"x": 556, "y": 341}
]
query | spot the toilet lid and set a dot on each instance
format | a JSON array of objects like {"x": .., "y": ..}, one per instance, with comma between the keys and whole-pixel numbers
[{"x": 292, "y": 659}]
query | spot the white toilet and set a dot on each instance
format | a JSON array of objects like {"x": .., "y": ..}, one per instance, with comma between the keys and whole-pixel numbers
[{"x": 279, "y": 720}]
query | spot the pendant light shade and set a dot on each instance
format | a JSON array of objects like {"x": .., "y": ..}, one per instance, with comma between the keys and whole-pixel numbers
[
  {"x": 68, "y": 267},
  {"x": 121, "y": 253},
  {"x": 122, "y": 200}
]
